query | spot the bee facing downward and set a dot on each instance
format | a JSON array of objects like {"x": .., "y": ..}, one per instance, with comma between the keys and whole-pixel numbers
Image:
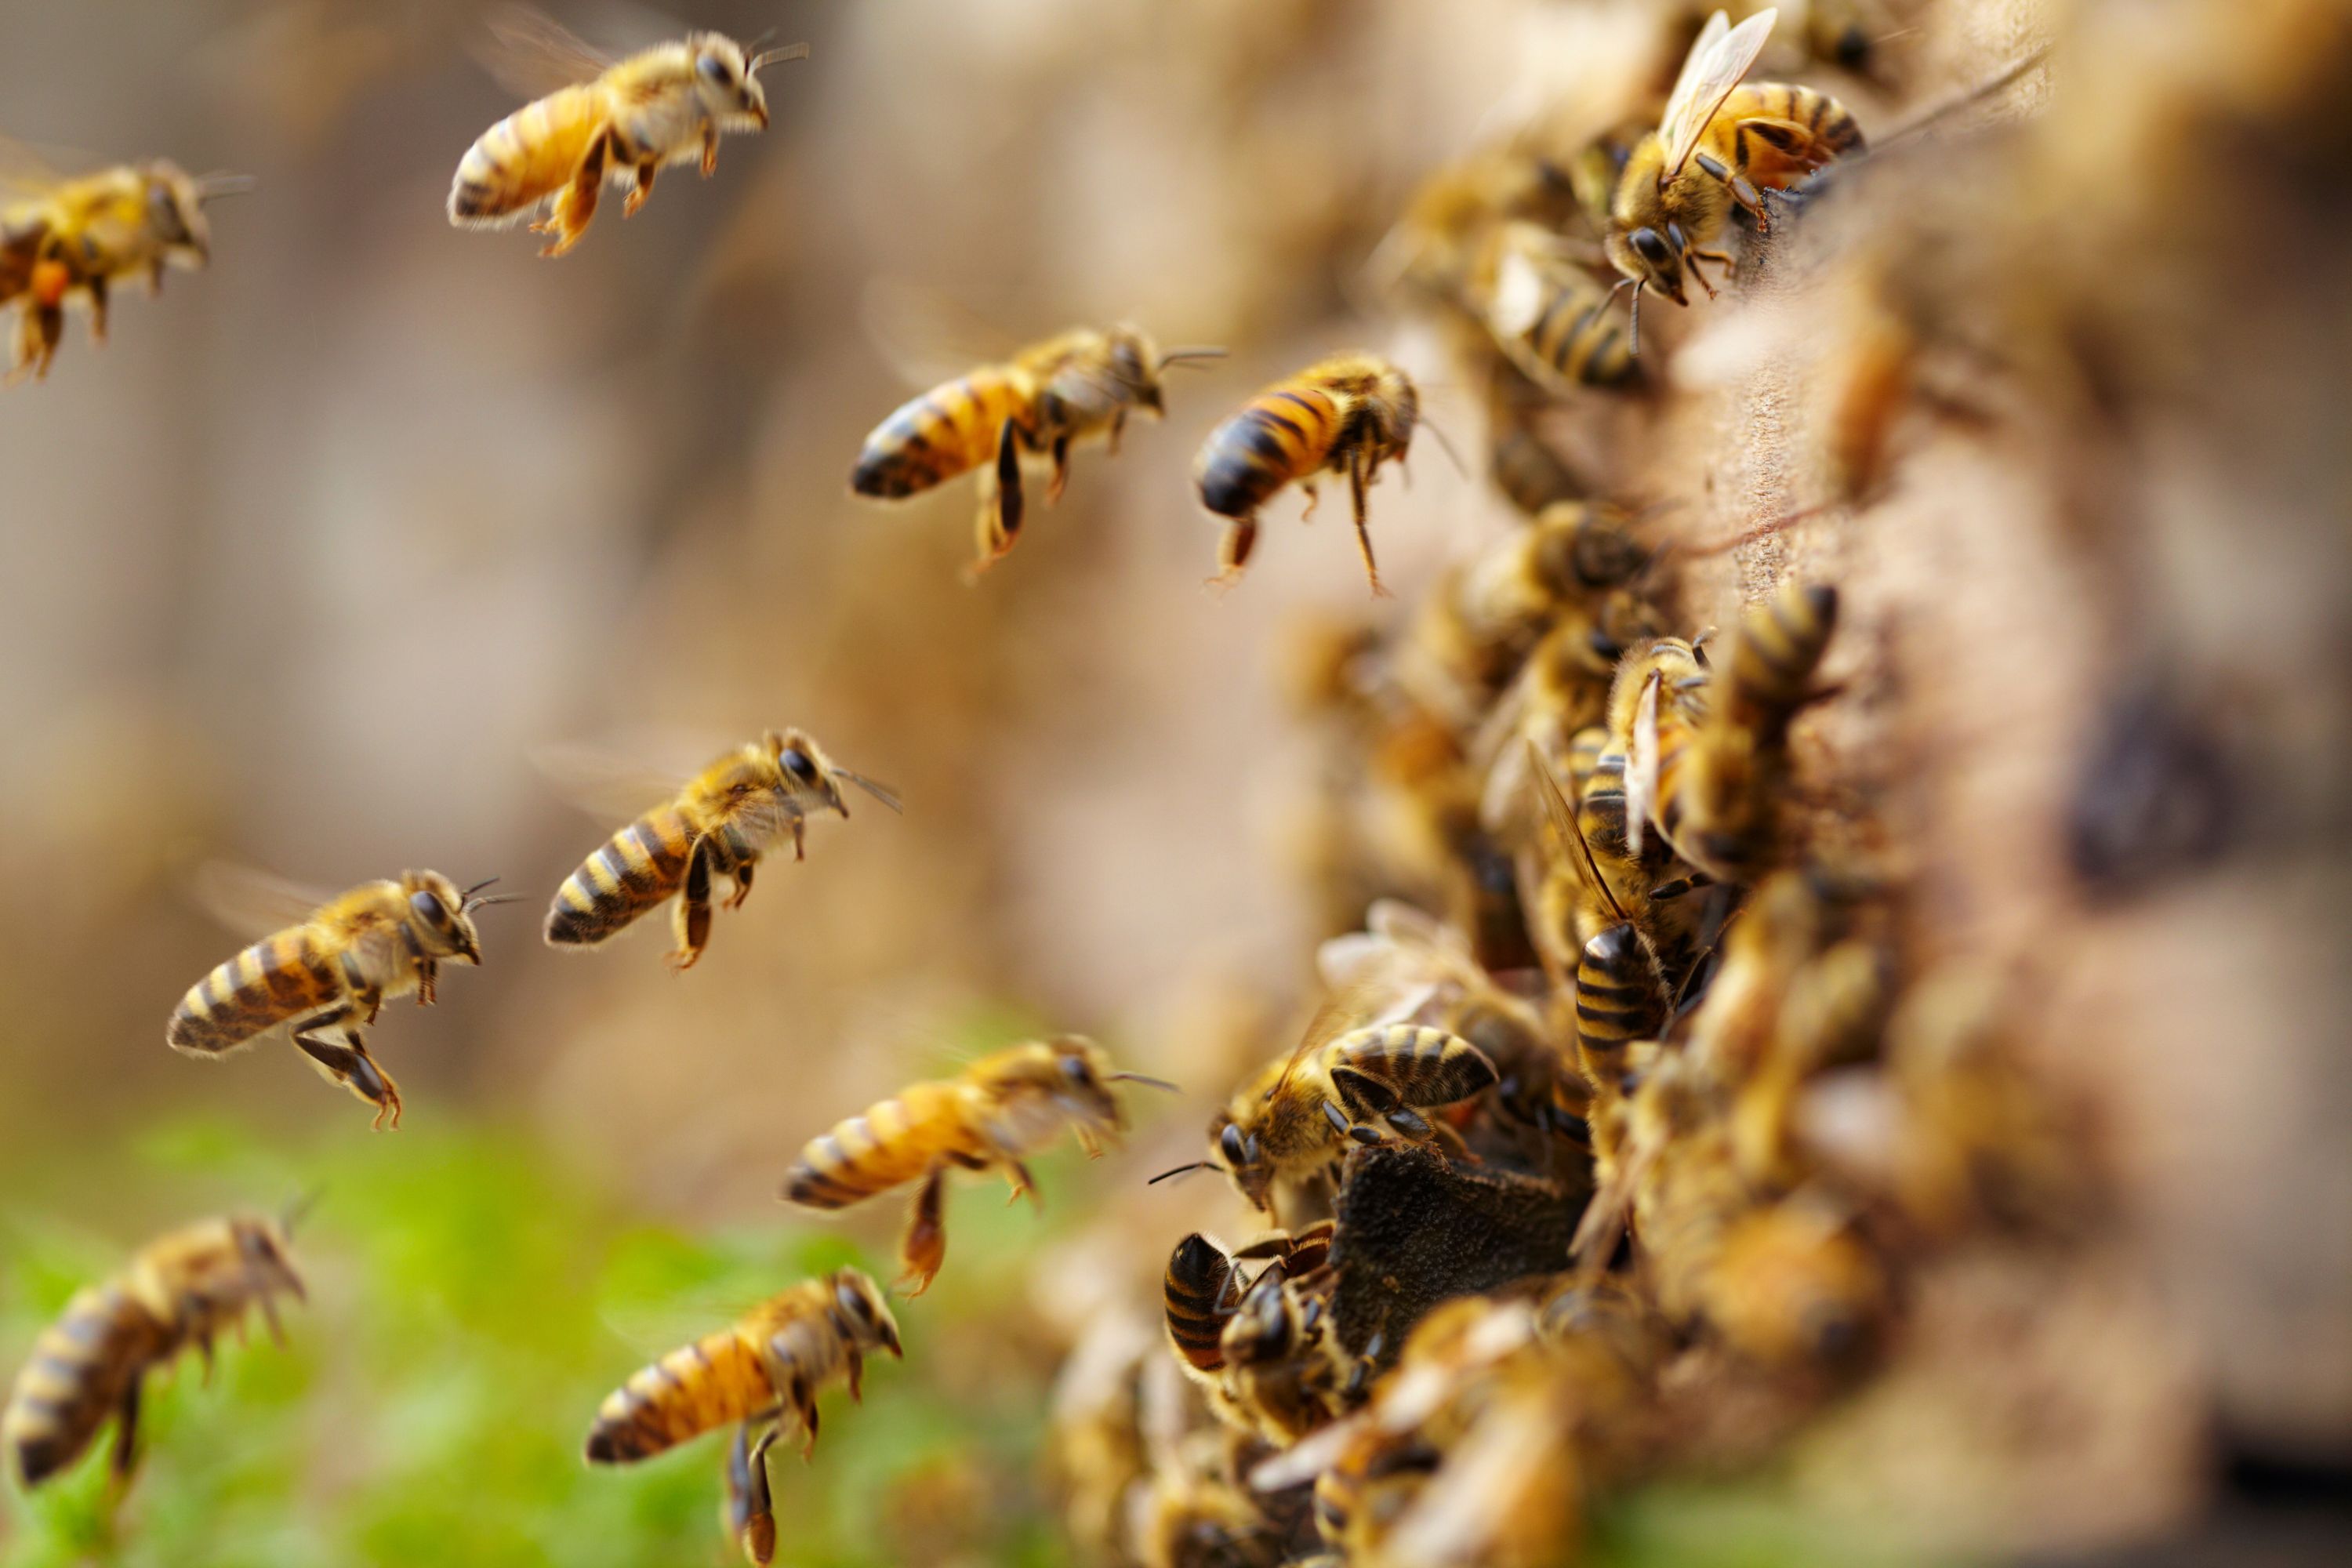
[
  {"x": 179, "y": 1290},
  {"x": 1044, "y": 399},
  {"x": 720, "y": 824},
  {"x": 327, "y": 977},
  {"x": 1346, "y": 415},
  {"x": 1720, "y": 145},
  {"x": 624, "y": 120}
]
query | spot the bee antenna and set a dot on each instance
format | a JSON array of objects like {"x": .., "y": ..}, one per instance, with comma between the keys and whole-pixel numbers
[
  {"x": 1188, "y": 355},
  {"x": 1633, "y": 340},
  {"x": 1445, "y": 445},
  {"x": 299, "y": 1208},
  {"x": 767, "y": 57},
  {"x": 212, "y": 186},
  {"x": 469, "y": 892},
  {"x": 1178, "y": 1171},
  {"x": 1145, "y": 1079}
]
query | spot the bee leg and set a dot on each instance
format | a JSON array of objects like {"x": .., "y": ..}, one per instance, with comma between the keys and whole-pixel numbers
[
  {"x": 1234, "y": 551},
  {"x": 1118, "y": 424},
  {"x": 575, "y": 203},
  {"x": 1409, "y": 1122},
  {"x": 710, "y": 151},
  {"x": 348, "y": 1063},
  {"x": 1003, "y": 501},
  {"x": 925, "y": 1246},
  {"x": 97, "y": 312},
  {"x": 124, "y": 1458},
  {"x": 857, "y": 1367},
  {"x": 1061, "y": 478},
  {"x": 750, "y": 1507},
  {"x": 742, "y": 885},
  {"x": 1314, "y": 499},
  {"x": 427, "y": 972},
  {"x": 804, "y": 1402},
  {"x": 1023, "y": 1186},
  {"x": 693, "y": 916},
  {"x": 644, "y": 187},
  {"x": 1358, "y": 479},
  {"x": 1089, "y": 1142}
]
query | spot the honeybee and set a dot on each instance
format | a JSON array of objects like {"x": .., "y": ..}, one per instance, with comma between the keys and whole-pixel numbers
[
  {"x": 1004, "y": 1108},
  {"x": 1044, "y": 400},
  {"x": 67, "y": 238},
  {"x": 1551, "y": 315},
  {"x": 1720, "y": 145},
  {"x": 1346, "y": 415},
  {"x": 327, "y": 977},
  {"x": 725, "y": 819},
  {"x": 1364, "y": 1085},
  {"x": 622, "y": 120},
  {"x": 1259, "y": 1347},
  {"x": 767, "y": 1367},
  {"x": 180, "y": 1289}
]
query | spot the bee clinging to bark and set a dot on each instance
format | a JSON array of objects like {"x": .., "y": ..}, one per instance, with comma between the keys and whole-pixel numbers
[
  {"x": 67, "y": 240},
  {"x": 1721, "y": 145},
  {"x": 326, "y": 978},
  {"x": 179, "y": 1290},
  {"x": 721, "y": 824},
  {"x": 764, "y": 1371},
  {"x": 1346, "y": 415},
  {"x": 622, "y": 120},
  {"x": 1041, "y": 402},
  {"x": 1003, "y": 1108}
]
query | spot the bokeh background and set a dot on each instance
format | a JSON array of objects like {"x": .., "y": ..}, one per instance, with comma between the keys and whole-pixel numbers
[{"x": 324, "y": 558}]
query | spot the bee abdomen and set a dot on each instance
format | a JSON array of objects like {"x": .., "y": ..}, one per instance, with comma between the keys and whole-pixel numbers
[
  {"x": 1420, "y": 1064},
  {"x": 1198, "y": 1296},
  {"x": 715, "y": 1380},
  {"x": 523, "y": 159},
  {"x": 1781, "y": 645},
  {"x": 927, "y": 440},
  {"x": 268, "y": 983},
  {"x": 866, "y": 1155},
  {"x": 1284, "y": 435},
  {"x": 1577, "y": 337},
  {"x": 1617, "y": 1002},
  {"x": 630, "y": 873},
  {"x": 79, "y": 1370}
]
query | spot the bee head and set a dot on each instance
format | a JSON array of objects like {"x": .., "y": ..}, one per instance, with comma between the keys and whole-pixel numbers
[
  {"x": 440, "y": 915},
  {"x": 261, "y": 1247},
  {"x": 1264, "y": 1327},
  {"x": 175, "y": 212},
  {"x": 1395, "y": 408},
  {"x": 1243, "y": 1158},
  {"x": 724, "y": 81},
  {"x": 864, "y": 1312}
]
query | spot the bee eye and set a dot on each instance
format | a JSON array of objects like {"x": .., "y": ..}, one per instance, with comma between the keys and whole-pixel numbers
[
  {"x": 796, "y": 762},
  {"x": 1604, "y": 644},
  {"x": 717, "y": 70},
  {"x": 1231, "y": 1147},
  {"x": 431, "y": 910},
  {"x": 1075, "y": 1069},
  {"x": 1652, "y": 247},
  {"x": 853, "y": 1302}
]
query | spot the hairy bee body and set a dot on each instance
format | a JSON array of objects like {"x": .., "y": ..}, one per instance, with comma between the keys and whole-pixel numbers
[
  {"x": 1551, "y": 315},
  {"x": 327, "y": 978},
  {"x": 1346, "y": 415},
  {"x": 1004, "y": 1108},
  {"x": 180, "y": 1291},
  {"x": 669, "y": 104},
  {"x": 776, "y": 1358},
  {"x": 721, "y": 824},
  {"x": 78, "y": 237},
  {"x": 1620, "y": 999}
]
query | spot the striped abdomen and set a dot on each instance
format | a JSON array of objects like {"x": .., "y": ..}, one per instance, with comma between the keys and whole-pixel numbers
[
  {"x": 283, "y": 977},
  {"x": 79, "y": 1370},
  {"x": 1286, "y": 433},
  {"x": 630, "y": 873},
  {"x": 717, "y": 1380},
  {"x": 1416, "y": 1065},
  {"x": 1577, "y": 338},
  {"x": 1780, "y": 646},
  {"x": 525, "y": 158},
  {"x": 1800, "y": 131},
  {"x": 949, "y": 430},
  {"x": 893, "y": 1142},
  {"x": 1619, "y": 1000},
  {"x": 1199, "y": 1294},
  {"x": 1675, "y": 751}
]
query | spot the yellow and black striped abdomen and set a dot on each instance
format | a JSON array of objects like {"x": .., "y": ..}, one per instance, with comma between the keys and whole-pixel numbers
[
  {"x": 284, "y": 977},
  {"x": 1285, "y": 434},
  {"x": 893, "y": 1142},
  {"x": 714, "y": 1381},
  {"x": 1198, "y": 1296},
  {"x": 1416, "y": 1064},
  {"x": 1674, "y": 739},
  {"x": 949, "y": 430},
  {"x": 630, "y": 873},
  {"x": 525, "y": 158},
  {"x": 78, "y": 1371},
  {"x": 1776, "y": 132},
  {"x": 1619, "y": 1000},
  {"x": 1780, "y": 646}
]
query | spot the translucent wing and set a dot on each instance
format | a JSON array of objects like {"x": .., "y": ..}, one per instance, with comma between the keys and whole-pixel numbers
[
  {"x": 1365, "y": 1003},
  {"x": 250, "y": 902},
  {"x": 1642, "y": 766},
  {"x": 1717, "y": 62},
  {"x": 652, "y": 1325},
  {"x": 609, "y": 786},
  {"x": 925, "y": 337},
  {"x": 530, "y": 54},
  {"x": 26, "y": 171}
]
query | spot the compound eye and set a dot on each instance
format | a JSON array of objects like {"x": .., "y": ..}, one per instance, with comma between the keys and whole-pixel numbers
[
  {"x": 1652, "y": 247},
  {"x": 853, "y": 1302},
  {"x": 1075, "y": 1069},
  {"x": 717, "y": 69},
  {"x": 796, "y": 762},
  {"x": 1605, "y": 645},
  {"x": 430, "y": 908},
  {"x": 1235, "y": 1150}
]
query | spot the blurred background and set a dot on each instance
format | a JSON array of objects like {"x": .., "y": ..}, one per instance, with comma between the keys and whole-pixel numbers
[{"x": 321, "y": 557}]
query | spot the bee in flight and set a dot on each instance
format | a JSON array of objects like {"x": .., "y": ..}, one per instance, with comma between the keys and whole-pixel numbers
[
  {"x": 63, "y": 239},
  {"x": 1346, "y": 415},
  {"x": 1003, "y": 1108},
  {"x": 1720, "y": 145},
  {"x": 326, "y": 978},
  {"x": 180, "y": 1289},
  {"x": 764, "y": 1370},
  {"x": 1041, "y": 400},
  {"x": 720, "y": 823},
  {"x": 624, "y": 120}
]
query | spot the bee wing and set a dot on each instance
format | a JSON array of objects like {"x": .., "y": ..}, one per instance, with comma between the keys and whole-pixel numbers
[
  {"x": 530, "y": 54},
  {"x": 252, "y": 902},
  {"x": 1367, "y": 1002},
  {"x": 1642, "y": 766},
  {"x": 925, "y": 337},
  {"x": 609, "y": 786},
  {"x": 1717, "y": 62},
  {"x": 652, "y": 1324},
  {"x": 25, "y": 170}
]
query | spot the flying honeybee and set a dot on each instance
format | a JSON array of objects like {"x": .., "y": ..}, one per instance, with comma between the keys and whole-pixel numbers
[
  {"x": 1003, "y": 1108},
  {"x": 766, "y": 1368},
  {"x": 179, "y": 1290},
  {"x": 327, "y": 977},
  {"x": 63, "y": 239},
  {"x": 1346, "y": 415},
  {"x": 720, "y": 825},
  {"x": 623, "y": 120},
  {"x": 1720, "y": 145},
  {"x": 1044, "y": 400}
]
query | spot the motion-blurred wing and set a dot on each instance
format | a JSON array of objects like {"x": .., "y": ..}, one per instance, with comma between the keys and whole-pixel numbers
[
  {"x": 253, "y": 903},
  {"x": 925, "y": 337},
  {"x": 1717, "y": 62},
  {"x": 26, "y": 171},
  {"x": 609, "y": 786},
  {"x": 530, "y": 54}
]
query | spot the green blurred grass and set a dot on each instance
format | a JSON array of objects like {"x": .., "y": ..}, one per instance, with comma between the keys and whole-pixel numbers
[{"x": 472, "y": 1303}]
